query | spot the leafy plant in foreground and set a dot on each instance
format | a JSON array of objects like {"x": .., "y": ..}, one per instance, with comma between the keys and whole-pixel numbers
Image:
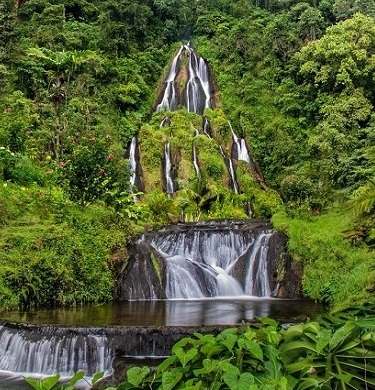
[
  {"x": 342, "y": 358},
  {"x": 335, "y": 351},
  {"x": 237, "y": 358},
  {"x": 52, "y": 382}
]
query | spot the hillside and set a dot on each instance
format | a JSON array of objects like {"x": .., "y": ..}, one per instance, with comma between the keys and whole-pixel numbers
[{"x": 79, "y": 79}]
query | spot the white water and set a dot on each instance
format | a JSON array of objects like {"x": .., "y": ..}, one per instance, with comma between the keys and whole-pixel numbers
[
  {"x": 133, "y": 161},
  {"x": 206, "y": 127},
  {"x": 30, "y": 352},
  {"x": 198, "y": 89},
  {"x": 198, "y": 82},
  {"x": 169, "y": 100},
  {"x": 241, "y": 148},
  {"x": 231, "y": 171},
  {"x": 233, "y": 176},
  {"x": 195, "y": 162},
  {"x": 168, "y": 169},
  {"x": 257, "y": 275},
  {"x": 203, "y": 264}
]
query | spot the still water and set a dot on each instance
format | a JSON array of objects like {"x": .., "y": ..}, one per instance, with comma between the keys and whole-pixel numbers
[
  {"x": 171, "y": 313},
  {"x": 161, "y": 313}
]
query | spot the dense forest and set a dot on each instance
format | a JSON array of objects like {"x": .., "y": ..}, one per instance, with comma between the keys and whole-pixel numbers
[{"x": 78, "y": 79}]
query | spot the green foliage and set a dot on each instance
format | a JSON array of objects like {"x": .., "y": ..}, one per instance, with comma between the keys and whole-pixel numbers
[
  {"x": 94, "y": 171},
  {"x": 244, "y": 358},
  {"x": 319, "y": 243},
  {"x": 77, "y": 82},
  {"x": 341, "y": 357},
  {"x": 52, "y": 382},
  {"x": 332, "y": 352},
  {"x": 54, "y": 252}
]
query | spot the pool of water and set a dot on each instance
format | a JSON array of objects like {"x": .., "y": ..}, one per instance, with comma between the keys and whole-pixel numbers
[
  {"x": 171, "y": 313},
  {"x": 223, "y": 311}
]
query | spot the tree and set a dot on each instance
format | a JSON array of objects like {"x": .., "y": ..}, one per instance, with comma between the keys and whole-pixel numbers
[{"x": 342, "y": 59}]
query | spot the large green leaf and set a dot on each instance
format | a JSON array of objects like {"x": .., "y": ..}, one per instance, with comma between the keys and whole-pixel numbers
[
  {"x": 228, "y": 338},
  {"x": 239, "y": 382},
  {"x": 170, "y": 379},
  {"x": 137, "y": 374},
  {"x": 80, "y": 374},
  {"x": 43, "y": 384},
  {"x": 253, "y": 347},
  {"x": 349, "y": 330},
  {"x": 323, "y": 339},
  {"x": 185, "y": 357},
  {"x": 166, "y": 363}
]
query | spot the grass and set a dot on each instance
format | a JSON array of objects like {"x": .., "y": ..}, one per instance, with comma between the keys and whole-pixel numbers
[{"x": 335, "y": 272}]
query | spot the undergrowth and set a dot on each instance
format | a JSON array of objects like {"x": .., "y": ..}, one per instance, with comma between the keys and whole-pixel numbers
[{"x": 335, "y": 271}]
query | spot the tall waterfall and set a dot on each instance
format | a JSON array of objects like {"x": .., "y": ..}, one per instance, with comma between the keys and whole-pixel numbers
[
  {"x": 232, "y": 173},
  {"x": 202, "y": 260},
  {"x": 169, "y": 185},
  {"x": 195, "y": 162},
  {"x": 207, "y": 127},
  {"x": 169, "y": 99},
  {"x": 197, "y": 89},
  {"x": 198, "y": 95},
  {"x": 133, "y": 161}
]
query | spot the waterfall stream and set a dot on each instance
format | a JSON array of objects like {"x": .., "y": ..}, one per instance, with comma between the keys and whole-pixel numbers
[
  {"x": 168, "y": 169},
  {"x": 201, "y": 261},
  {"x": 198, "y": 93},
  {"x": 133, "y": 162},
  {"x": 240, "y": 150},
  {"x": 48, "y": 353},
  {"x": 169, "y": 99},
  {"x": 201, "y": 266},
  {"x": 195, "y": 162},
  {"x": 228, "y": 161}
]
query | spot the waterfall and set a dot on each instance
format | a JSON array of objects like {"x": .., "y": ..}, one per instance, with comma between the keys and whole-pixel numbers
[
  {"x": 249, "y": 210},
  {"x": 34, "y": 352},
  {"x": 202, "y": 264},
  {"x": 203, "y": 260},
  {"x": 198, "y": 95},
  {"x": 257, "y": 282},
  {"x": 233, "y": 176},
  {"x": 195, "y": 162},
  {"x": 169, "y": 99},
  {"x": 231, "y": 170},
  {"x": 198, "y": 88},
  {"x": 133, "y": 161},
  {"x": 207, "y": 127},
  {"x": 241, "y": 152},
  {"x": 169, "y": 185}
]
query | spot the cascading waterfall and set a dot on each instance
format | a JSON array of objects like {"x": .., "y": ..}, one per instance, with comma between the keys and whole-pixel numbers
[
  {"x": 233, "y": 176},
  {"x": 257, "y": 282},
  {"x": 207, "y": 127},
  {"x": 195, "y": 162},
  {"x": 168, "y": 169},
  {"x": 202, "y": 267},
  {"x": 169, "y": 99},
  {"x": 241, "y": 152},
  {"x": 231, "y": 170},
  {"x": 30, "y": 352},
  {"x": 197, "y": 90},
  {"x": 208, "y": 261},
  {"x": 133, "y": 161},
  {"x": 198, "y": 94}
]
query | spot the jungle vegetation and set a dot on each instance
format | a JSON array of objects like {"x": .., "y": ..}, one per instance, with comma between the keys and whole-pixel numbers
[{"x": 78, "y": 80}]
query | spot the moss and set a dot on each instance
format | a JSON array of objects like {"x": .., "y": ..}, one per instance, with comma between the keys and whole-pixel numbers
[{"x": 157, "y": 264}]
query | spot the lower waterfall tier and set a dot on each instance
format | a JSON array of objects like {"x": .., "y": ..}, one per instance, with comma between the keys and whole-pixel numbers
[{"x": 204, "y": 260}]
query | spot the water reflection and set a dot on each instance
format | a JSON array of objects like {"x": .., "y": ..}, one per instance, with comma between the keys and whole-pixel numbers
[{"x": 171, "y": 313}]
